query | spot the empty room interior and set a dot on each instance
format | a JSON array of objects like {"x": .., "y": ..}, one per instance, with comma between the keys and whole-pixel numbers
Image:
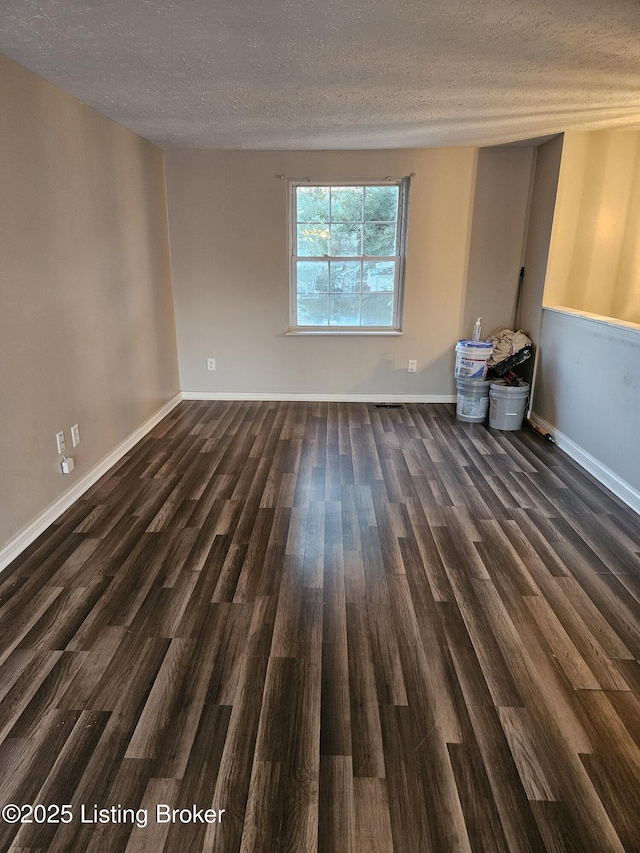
[{"x": 282, "y": 572}]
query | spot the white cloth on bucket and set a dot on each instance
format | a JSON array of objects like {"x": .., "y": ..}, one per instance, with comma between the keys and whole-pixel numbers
[{"x": 506, "y": 343}]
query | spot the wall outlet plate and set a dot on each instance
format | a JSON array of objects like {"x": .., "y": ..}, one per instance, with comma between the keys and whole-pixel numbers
[
  {"x": 211, "y": 364},
  {"x": 413, "y": 366},
  {"x": 75, "y": 435},
  {"x": 62, "y": 445}
]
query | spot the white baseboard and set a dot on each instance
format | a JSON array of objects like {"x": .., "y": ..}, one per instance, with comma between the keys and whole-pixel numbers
[
  {"x": 16, "y": 546},
  {"x": 320, "y": 398},
  {"x": 604, "y": 475}
]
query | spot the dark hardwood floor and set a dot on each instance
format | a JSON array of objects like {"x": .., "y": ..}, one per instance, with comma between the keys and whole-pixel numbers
[{"x": 353, "y": 629}]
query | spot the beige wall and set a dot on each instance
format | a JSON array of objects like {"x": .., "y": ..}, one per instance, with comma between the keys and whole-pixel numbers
[
  {"x": 594, "y": 256},
  {"x": 228, "y": 222},
  {"x": 543, "y": 199},
  {"x": 496, "y": 249},
  {"x": 87, "y": 329}
]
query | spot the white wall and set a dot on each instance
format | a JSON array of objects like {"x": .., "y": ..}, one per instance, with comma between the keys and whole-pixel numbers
[
  {"x": 228, "y": 224},
  {"x": 588, "y": 389},
  {"x": 87, "y": 330}
]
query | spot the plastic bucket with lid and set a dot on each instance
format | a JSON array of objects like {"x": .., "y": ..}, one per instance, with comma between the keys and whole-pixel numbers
[
  {"x": 472, "y": 400},
  {"x": 507, "y": 404},
  {"x": 472, "y": 358}
]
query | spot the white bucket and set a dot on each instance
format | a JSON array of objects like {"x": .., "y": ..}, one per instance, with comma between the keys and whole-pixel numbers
[
  {"x": 473, "y": 400},
  {"x": 472, "y": 358},
  {"x": 507, "y": 404}
]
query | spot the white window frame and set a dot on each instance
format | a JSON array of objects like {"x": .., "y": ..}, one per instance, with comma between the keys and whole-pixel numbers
[{"x": 399, "y": 258}]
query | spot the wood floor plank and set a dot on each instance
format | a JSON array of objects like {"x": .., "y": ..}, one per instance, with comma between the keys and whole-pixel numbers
[
  {"x": 534, "y": 767},
  {"x": 61, "y": 782},
  {"x": 574, "y": 608},
  {"x": 347, "y": 628},
  {"x": 18, "y": 698},
  {"x": 561, "y": 646},
  {"x": 386, "y": 657},
  {"x": 372, "y": 823},
  {"x": 427, "y": 670},
  {"x": 158, "y": 713},
  {"x": 336, "y": 817},
  {"x": 57, "y": 728},
  {"x": 234, "y": 776},
  {"x": 300, "y": 791},
  {"x": 612, "y": 787},
  {"x": 49, "y": 693},
  {"x": 517, "y": 819},
  {"x": 557, "y": 827},
  {"x": 366, "y": 734},
  {"x": 200, "y": 776},
  {"x": 264, "y": 808},
  {"x": 481, "y": 817}
]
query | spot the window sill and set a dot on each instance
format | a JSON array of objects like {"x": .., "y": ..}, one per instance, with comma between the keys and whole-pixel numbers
[{"x": 394, "y": 333}]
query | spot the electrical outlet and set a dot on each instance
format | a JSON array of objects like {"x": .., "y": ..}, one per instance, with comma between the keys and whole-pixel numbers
[
  {"x": 211, "y": 364},
  {"x": 413, "y": 366},
  {"x": 75, "y": 435},
  {"x": 62, "y": 446}
]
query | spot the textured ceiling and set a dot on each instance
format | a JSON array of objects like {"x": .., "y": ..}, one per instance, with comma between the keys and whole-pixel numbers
[{"x": 337, "y": 73}]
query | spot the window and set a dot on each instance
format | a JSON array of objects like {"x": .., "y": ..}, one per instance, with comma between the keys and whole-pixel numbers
[{"x": 347, "y": 260}]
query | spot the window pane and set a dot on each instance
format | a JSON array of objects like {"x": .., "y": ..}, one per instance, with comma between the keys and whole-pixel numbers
[
  {"x": 378, "y": 275},
  {"x": 345, "y": 277},
  {"x": 312, "y": 204},
  {"x": 380, "y": 204},
  {"x": 345, "y": 310},
  {"x": 313, "y": 310},
  {"x": 346, "y": 204},
  {"x": 346, "y": 240},
  {"x": 377, "y": 309},
  {"x": 379, "y": 238},
  {"x": 312, "y": 276},
  {"x": 313, "y": 240}
]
